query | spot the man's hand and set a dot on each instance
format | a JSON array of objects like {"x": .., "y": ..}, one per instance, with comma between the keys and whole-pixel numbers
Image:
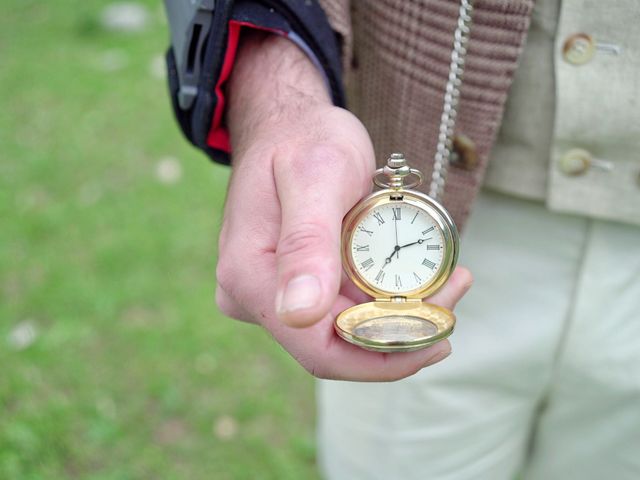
[{"x": 299, "y": 164}]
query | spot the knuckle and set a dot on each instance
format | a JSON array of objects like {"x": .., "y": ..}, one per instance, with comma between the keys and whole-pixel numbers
[
  {"x": 331, "y": 154},
  {"x": 226, "y": 276},
  {"x": 307, "y": 237},
  {"x": 223, "y": 237},
  {"x": 392, "y": 372},
  {"x": 467, "y": 279},
  {"x": 396, "y": 376},
  {"x": 319, "y": 372},
  {"x": 392, "y": 376},
  {"x": 409, "y": 371},
  {"x": 223, "y": 303},
  {"x": 231, "y": 307},
  {"x": 227, "y": 267},
  {"x": 313, "y": 367},
  {"x": 313, "y": 161},
  {"x": 322, "y": 375}
]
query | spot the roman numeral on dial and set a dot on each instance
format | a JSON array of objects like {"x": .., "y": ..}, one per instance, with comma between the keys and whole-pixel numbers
[
  {"x": 367, "y": 264},
  {"x": 362, "y": 229},
  {"x": 397, "y": 213},
  {"x": 398, "y": 281},
  {"x": 430, "y": 229},
  {"x": 428, "y": 263},
  {"x": 433, "y": 247},
  {"x": 417, "y": 277},
  {"x": 380, "y": 277},
  {"x": 362, "y": 248},
  {"x": 379, "y": 218}
]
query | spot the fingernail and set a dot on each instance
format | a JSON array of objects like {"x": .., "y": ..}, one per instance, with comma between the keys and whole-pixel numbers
[
  {"x": 438, "y": 357},
  {"x": 302, "y": 292}
]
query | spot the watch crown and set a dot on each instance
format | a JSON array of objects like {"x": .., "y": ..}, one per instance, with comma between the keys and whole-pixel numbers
[
  {"x": 396, "y": 169},
  {"x": 396, "y": 158}
]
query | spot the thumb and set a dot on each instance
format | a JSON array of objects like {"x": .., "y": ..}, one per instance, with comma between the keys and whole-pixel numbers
[{"x": 315, "y": 189}]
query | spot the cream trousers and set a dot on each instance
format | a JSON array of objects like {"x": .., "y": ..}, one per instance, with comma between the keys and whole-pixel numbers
[{"x": 544, "y": 378}]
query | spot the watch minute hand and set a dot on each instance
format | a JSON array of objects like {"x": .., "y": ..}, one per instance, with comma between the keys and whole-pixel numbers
[
  {"x": 397, "y": 249},
  {"x": 412, "y": 243}
]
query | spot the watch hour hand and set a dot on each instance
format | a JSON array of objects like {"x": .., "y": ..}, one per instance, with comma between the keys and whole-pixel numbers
[{"x": 388, "y": 259}]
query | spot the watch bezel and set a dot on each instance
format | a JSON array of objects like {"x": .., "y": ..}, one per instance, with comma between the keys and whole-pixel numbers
[{"x": 421, "y": 201}]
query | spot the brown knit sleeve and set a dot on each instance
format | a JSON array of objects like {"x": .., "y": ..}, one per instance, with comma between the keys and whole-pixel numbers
[{"x": 339, "y": 15}]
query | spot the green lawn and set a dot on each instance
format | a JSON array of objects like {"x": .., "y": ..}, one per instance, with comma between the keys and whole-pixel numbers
[{"x": 114, "y": 362}]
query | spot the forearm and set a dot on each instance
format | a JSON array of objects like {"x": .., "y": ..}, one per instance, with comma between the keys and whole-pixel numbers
[{"x": 271, "y": 77}]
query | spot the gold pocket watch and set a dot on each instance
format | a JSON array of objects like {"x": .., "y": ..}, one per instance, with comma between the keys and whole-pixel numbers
[{"x": 398, "y": 246}]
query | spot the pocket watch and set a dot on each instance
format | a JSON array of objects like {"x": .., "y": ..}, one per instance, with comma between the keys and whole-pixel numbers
[{"x": 398, "y": 246}]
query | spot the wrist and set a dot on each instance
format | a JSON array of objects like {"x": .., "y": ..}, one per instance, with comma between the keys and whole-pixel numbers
[{"x": 272, "y": 77}]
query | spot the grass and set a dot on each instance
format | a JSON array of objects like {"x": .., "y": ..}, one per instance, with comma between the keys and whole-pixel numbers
[{"x": 114, "y": 362}]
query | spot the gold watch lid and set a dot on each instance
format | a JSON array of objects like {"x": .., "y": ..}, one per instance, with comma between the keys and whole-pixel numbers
[{"x": 395, "y": 325}]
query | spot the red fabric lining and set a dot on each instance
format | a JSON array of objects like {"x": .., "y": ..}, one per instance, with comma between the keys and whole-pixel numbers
[{"x": 218, "y": 136}]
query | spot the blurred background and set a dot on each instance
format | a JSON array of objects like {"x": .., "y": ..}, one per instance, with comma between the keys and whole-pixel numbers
[{"x": 114, "y": 362}]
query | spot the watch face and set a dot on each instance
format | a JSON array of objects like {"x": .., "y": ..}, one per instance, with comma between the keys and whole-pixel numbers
[{"x": 397, "y": 247}]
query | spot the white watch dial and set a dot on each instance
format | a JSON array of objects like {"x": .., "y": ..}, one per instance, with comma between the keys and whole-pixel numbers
[{"x": 397, "y": 247}]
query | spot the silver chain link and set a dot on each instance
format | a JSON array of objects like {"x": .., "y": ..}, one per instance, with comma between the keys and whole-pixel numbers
[{"x": 452, "y": 94}]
